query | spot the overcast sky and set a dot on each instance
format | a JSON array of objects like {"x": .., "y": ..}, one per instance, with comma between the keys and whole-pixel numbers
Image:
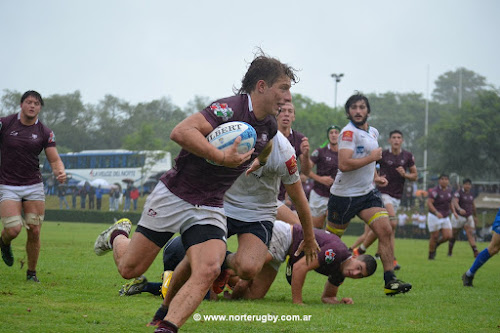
[{"x": 144, "y": 50}]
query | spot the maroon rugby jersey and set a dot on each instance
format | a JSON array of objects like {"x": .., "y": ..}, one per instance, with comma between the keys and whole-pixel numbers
[
  {"x": 327, "y": 164},
  {"x": 20, "y": 146},
  {"x": 295, "y": 139},
  {"x": 333, "y": 252},
  {"x": 442, "y": 199},
  {"x": 388, "y": 165},
  {"x": 198, "y": 182},
  {"x": 465, "y": 201}
]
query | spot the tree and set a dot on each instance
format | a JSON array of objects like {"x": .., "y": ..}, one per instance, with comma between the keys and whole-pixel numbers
[
  {"x": 466, "y": 143},
  {"x": 450, "y": 84}
]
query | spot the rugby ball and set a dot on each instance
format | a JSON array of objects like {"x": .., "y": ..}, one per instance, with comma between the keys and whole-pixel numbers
[{"x": 223, "y": 136}]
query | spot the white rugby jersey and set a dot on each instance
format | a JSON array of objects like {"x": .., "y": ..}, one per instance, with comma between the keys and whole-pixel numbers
[
  {"x": 253, "y": 198},
  {"x": 360, "y": 181}
]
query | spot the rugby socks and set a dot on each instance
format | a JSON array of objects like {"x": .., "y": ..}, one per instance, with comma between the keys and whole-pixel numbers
[
  {"x": 30, "y": 273},
  {"x": 451, "y": 243},
  {"x": 116, "y": 233},
  {"x": 159, "y": 315},
  {"x": 153, "y": 288},
  {"x": 474, "y": 249},
  {"x": 362, "y": 249},
  {"x": 389, "y": 276},
  {"x": 166, "y": 327},
  {"x": 481, "y": 258}
]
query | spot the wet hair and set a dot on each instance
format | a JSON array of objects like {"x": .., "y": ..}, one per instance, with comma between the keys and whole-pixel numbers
[
  {"x": 356, "y": 98},
  {"x": 34, "y": 94},
  {"x": 265, "y": 68},
  {"x": 467, "y": 180},
  {"x": 395, "y": 132},
  {"x": 371, "y": 263}
]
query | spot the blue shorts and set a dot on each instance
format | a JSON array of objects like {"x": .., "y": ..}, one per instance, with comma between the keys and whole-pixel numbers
[
  {"x": 342, "y": 209},
  {"x": 173, "y": 253},
  {"x": 496, "y": 224}
]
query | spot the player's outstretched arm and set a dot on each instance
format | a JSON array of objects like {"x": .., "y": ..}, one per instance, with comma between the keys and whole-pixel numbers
[{"x": 300, "y": 269}]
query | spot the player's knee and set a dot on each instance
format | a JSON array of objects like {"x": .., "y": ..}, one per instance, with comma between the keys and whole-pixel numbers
[
  {"x": 128, "y": 272},
  {"x": 12, "y": 225},
  {"x": 248, "y": 271}
]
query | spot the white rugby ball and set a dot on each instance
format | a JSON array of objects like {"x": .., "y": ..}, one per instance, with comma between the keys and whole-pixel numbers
[{"x": 223, "y": 136}]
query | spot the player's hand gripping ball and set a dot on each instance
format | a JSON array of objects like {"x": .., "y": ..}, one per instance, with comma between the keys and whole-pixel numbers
[{"x": 223, "y": 136}]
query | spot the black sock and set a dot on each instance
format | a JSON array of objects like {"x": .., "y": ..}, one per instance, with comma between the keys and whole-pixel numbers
[
  {"x": 161, "y": 312},
  {"x": 152, "y": 288},
  {"x": 30, "y": 273},
  {"x": 389, "y": 276},
  {"x": 224, "y": 264},
  {"x": 2, "y": 243}
]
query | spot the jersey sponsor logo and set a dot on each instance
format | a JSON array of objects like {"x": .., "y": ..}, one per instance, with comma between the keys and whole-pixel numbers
[
  {"x": 14, "y": 133},
  {"x": 34, "y": 136},
  {"x": 52, "y": 137},
  {"x": 329, "y": 256},
  {"x": 222, "y": 110},
  {"x": 347, "y": 136},
  {"x": 291, "y": 165},
  {"x": 360, "y": 149},
  {"x": 152, "y": 212}
]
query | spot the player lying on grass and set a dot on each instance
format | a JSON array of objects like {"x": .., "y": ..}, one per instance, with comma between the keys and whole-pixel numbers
[{"x": 334, "y": 260}]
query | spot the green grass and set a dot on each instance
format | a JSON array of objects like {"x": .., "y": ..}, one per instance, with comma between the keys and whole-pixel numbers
[{"x": 79, "y": 292}]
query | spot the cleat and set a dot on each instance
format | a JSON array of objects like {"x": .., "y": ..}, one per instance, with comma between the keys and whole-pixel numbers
[
  {"x": 32, "y": 278},
  {"x": 7, "y": 256},
  {"x": 377, "y": 256},
  {"x": 397, "y": 267},
  {"x": 396, "y": 286},
  {"x": 467, "y": 280},
  {"x": 220, "y": 282},
  {"x": 102, "y": 244},
  {"x": 135, "y": 287},
  {"x": 432, "y": 255}
]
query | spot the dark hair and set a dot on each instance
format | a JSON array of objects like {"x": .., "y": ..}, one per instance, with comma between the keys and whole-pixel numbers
[
  {"x": 371, "y": 263},
  {"x": 265, "y": 68},
  {"x": 395, "y": 132},
  {"x": 467, "y": 180},
  {"x": 355, "y": 98},
  {"x": 443, "y": 175},
  {"x": 34, "y": 94}
]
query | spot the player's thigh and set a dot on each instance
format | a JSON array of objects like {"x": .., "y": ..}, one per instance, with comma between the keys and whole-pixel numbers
[
  {"x": 10, "y": 208},
  {"x": 206, "y": 256},
  {"x": 251, "y": 250},
  {"x": 140, "y": 253},
  {"x": 285, "y": 214},
  {"x": 35, "y": 207}
]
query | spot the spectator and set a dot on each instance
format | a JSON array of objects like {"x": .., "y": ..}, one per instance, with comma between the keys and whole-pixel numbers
[
  {"x": 98, "y": 197},
  {"x": 83, "y": 195},
  {"x": 112, "y": 199},
  {"x": 126, "y": 206},
  {"x": 74, "y": 194},
  {"x": 61, "y": 193},
  {"x": 134, "y": 195},
  {"x": 91, "y": 197}
]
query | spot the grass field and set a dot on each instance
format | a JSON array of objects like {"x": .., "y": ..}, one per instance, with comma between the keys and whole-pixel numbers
[{"x": 79, "y": 293}]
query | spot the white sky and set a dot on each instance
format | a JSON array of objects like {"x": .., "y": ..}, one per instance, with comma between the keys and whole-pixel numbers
[{"x": 144, "y": 50}]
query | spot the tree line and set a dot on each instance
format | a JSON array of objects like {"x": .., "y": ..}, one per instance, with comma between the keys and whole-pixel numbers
[{"x": 463, "y": 114}]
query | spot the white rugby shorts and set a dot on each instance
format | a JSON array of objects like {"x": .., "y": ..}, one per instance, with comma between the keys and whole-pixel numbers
[
  {"x": 33, "y": 192},
  {"x": 388, "y": 200},
  {"x": 318, "y": 204},
  {"x": 462, "y": 221},
  {"x": 435, "y": 224},
  {"x": 166, "y": 212},
  {"x": 281, "y": 241}
]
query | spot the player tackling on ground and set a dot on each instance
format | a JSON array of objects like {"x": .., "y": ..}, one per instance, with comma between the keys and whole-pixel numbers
[{"x": 353, "y": 192}]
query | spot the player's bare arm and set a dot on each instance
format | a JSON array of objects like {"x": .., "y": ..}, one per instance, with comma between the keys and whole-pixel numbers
[
  {"x": 56, "y": 164},
  {"x": 432, "y": 209},
  {"x": 330, "y": 295},
  {"x": 380, "y": 181},
  {"x": 190, "y": 134},
  {"x": 305, "y": 162},
  {"x": 300, "y": 269},
  {"x": 310, "y": 246},
  {"x": 348, "y": 163}
]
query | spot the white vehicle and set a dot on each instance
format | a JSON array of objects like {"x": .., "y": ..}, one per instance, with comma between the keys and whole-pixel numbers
[{"x": 116, "y": 166}]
